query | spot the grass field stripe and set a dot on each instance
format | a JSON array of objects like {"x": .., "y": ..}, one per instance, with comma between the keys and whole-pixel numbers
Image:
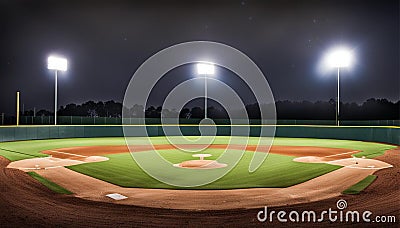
[
  {"x": 334, "y": 155},
  {"x": 13, "y": 151},
  {"x": 361, "y": 185},
  {"x": 76, "y": 155}
]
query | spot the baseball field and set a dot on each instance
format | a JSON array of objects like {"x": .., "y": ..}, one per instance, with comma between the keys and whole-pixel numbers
[
  {"x": 295, "y": 169},
  {"x": 75, "y": 177}
]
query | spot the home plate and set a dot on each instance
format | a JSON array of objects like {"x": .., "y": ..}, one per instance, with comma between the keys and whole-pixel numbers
[{"x": 116, "y": 196}]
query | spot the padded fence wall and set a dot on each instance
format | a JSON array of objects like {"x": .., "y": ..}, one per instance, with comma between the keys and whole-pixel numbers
[
  {"x": 374, "y": 134},
  {"x": 81, "y": 120}
]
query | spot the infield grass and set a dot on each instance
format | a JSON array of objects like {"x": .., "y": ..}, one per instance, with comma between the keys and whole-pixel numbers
[{"x": 277, "y": 171}]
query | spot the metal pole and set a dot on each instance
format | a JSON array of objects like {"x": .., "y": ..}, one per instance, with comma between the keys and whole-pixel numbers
[
  {"x": 55, "y": 99},
  {"x": 338, "y": 97},
  {"x": 17, "y": 108},
  {"x": 205, "y": 99},
  {"x": 2, "y": 118}
]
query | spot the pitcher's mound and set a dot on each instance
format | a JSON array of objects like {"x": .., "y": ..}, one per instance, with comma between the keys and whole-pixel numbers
[{"x": 200, "y": 164}]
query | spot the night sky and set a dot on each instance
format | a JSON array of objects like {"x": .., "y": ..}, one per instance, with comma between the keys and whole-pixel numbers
[{"x": 105, "y": 42}]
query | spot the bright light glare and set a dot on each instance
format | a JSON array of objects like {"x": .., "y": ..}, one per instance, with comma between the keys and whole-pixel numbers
[
  {"x": 56, "y": 63},
  {"x": 340, "y": 58},
  {"x": 205, "y": 68}
]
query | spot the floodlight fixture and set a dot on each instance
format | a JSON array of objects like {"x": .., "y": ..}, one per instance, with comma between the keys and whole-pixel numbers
[
  {"x": 340, "y": 58},
  {"x": 205, "y": 69},
  {"x": 57, "y": 63}
]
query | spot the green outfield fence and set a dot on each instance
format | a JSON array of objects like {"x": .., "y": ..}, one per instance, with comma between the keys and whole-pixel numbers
[
  {"x": 364, "y": 133},
  {"x": 78, "y": 120}
]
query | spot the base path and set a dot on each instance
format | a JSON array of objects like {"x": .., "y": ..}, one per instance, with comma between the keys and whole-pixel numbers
[{"x": 322, "y": 187}]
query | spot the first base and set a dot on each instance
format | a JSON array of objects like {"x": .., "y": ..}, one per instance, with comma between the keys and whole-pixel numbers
[{"x": 116, "y": 196}]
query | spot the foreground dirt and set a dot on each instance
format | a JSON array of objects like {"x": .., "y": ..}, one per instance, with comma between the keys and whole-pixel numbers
[{"x": 24, "y": 201}]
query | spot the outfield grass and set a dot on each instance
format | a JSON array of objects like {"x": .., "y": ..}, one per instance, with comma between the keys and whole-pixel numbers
[
  {"x": 49, "y": 184},
  {"x": 26, "y": 149},
  {"x": 121, "y": 169},
  {"x": 357, "y": 188}
]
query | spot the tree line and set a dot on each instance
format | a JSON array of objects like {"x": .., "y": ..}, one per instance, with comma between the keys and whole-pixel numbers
[{"x": 371, "y": 109}]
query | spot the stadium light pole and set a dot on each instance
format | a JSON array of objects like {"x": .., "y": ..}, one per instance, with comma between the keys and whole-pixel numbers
[
  {"x": 56, "y": 64},
  {"x": 339, "y": 58},
  {"x": 205, "y": 69}
]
